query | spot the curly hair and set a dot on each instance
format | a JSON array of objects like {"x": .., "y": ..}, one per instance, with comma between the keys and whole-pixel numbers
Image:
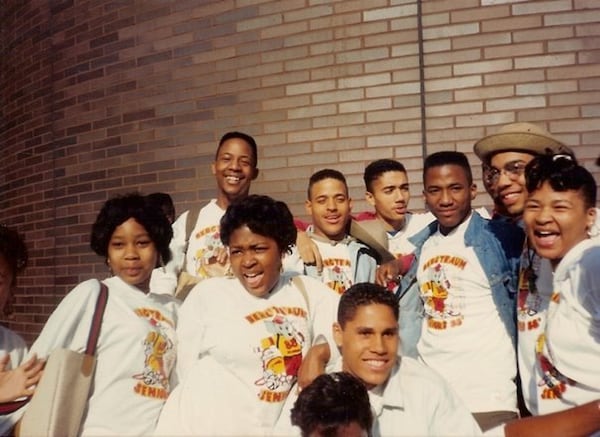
[
  {"x": 13, "y": 249},
  {"x": 330, "y": 402},
  {"x": 362, "y": 294},
  {"x": 264, "y": 216},
  {"x": 120, "y": 209},
  {"x": 563, "y": 173}
]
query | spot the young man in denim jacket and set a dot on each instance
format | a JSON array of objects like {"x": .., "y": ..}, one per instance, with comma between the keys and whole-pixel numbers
[{"x": 458, "y": 294}]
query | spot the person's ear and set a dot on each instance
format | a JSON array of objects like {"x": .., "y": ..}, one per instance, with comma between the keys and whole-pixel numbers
[
  {"x": 255, "y": 172},
  {"x": 213, "y": 168},
  {"x": 590, "y": 219},
  {"x": 337, "y": 334},
  {"x": 308, "y": 207},
  {"x": 369, "y": 198},
  {"x": 473, "y": 191}
]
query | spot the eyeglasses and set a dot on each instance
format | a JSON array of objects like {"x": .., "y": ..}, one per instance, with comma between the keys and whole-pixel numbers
[{"x": 512, "y": 169}]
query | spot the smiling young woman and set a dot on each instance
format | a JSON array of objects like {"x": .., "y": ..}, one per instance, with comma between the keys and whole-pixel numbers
[
  {"x": 559, "y": 214},
  {"x": 137, "y": 347}
]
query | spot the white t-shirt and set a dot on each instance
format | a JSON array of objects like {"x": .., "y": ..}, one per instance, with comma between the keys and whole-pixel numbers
[
  {"x": 204, "y": 241},
  {"x": 398, "y": 243},
  {"x": 568, "y": 365},
  {"x": 13, "y": 345},
  {"x": 463, "y": 337},
  {"x": 532, "y": 305},
  {"x": 338, "y": 268},
  {"x": 531, "y": 317},
  {"x": 135, "y": 354},
  {"x": 255, "y": 346},
  {"x": 415, "y": 401}
]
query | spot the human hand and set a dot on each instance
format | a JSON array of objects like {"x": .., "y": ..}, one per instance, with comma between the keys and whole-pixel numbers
[
  {"x": 313, "y": 364},
  {"x": 19, "y": 382},
  {"x": 387, "y": 274},
  {"x": 308, "y": 251}
]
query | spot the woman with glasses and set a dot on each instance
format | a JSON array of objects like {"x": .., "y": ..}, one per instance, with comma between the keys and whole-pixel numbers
[{"x": 559, "y": 216}]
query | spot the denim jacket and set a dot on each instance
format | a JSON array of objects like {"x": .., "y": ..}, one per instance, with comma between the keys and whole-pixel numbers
[{"x": 497, "y": 245}]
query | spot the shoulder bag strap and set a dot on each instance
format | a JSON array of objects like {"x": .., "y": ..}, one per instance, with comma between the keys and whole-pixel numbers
[
  {"x": 92, "y": 342},
  {"x": 190, "y": 222},
  {"x": 11, "y": 407}
]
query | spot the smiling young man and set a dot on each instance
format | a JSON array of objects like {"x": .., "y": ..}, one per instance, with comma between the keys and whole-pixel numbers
[
  {"x": 196, "y": 244},
  {"x": 465, "y": 274},
  {"x": 346, "y": 261},
  {"x": 504, "y": 155},
  {"x": 407, "y": 398}
]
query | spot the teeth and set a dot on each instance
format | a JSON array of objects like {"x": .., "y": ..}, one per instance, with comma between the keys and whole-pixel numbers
[
  {"x": 232, "y": 178},
  {"x": 376, "y": 363},
  {"x": 251, "y": 275}
]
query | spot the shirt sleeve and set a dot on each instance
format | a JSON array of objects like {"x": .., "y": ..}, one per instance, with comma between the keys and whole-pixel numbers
[
  {"x": 164, "y": 279},
  {"x": 190, "y": 330},
  {"x": 69, "y": 325}
]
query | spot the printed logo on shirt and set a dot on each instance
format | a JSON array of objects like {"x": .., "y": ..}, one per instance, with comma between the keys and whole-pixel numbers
[
  {"x": 553, "y": 383},
  {"x": 206, "y": 256},
  {"x": 159, "y": 355},
  {"x": 337, "y": 274},
  {"x": 280, "y": 354},
  {"x": 442, "y": 308},
  {"x": 529, "y": 300}
]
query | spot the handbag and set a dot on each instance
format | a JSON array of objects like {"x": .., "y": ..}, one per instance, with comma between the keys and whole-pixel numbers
[{"x": 60, "y": 398}]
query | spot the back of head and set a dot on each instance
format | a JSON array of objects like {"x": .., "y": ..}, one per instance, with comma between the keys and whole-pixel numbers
[
  {"x": 363, "y": 294},
  {"x": 262, "y": 215},
  {"x": 379, "y": 167},
  {"x": 13, "y": 250},
  {"x": 242, "y": 136},
  {"x": 163, "y": 202},
  {"x": 331, "y": 402},
  {"x": 326, "y": 173},
  {"x": 118, "y": 210},
  {"x": 440, "y": 159},
  {"x": 562, "y": 173}
]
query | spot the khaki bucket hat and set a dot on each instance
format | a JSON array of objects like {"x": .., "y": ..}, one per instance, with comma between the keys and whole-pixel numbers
[{"x": 522, "y": 137}]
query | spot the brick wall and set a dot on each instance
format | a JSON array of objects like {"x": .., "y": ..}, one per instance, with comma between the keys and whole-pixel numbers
[{"x": 103, "y": 96}]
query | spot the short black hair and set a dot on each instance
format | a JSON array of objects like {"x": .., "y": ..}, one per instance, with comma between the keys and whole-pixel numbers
[
  {"x": 118, "y": 210},
  {"x": 264, "y": 216},
  {"x": 13, "y": 249},
  {"x": 563, "y": 173},
  {"x": 363, "y": 294},
  {"x": 242, "y": 136},
  {"x": 326, "y": 173},
  {"x": 379, "y": 167},
  {"x": 440, "y": 159},
  {"x": 162, "y": 201},
  {"x": 330, "y": 402}
]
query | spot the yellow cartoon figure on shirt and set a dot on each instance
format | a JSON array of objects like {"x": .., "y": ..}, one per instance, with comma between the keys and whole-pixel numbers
[
  {"x": 156, "y": 345},
  {"x": 281, "y": 353}
]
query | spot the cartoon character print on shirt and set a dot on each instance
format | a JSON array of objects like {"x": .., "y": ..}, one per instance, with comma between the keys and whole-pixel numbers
[
  {"x": 280, "y": 352},
  {"x": 443, "y": 309},
  {"x": 205, "y": 258},
  {"x": 159, "y": 353},
  {"x": 337, "y": 274},
  {"x": 528, "y": 298},
  {"x": 552, "y": 382}
]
